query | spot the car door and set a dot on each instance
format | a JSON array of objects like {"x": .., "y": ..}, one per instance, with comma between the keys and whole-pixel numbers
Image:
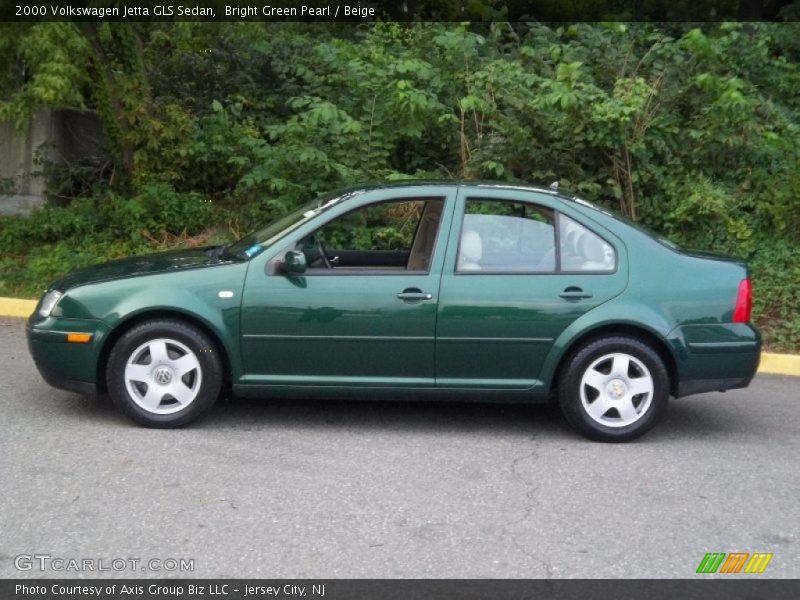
[
  {"x": 519, "y": 270},
  {"x": 369, "y": 318}
]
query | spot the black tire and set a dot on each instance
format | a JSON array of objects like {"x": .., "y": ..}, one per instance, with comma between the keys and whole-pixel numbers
[
  {"x": 578, "y": 415},
  {"x": 180, "y": 336}
]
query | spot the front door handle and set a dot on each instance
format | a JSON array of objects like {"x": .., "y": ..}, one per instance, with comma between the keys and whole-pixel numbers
[
  {"x": 573, "y": 292},
  {"x": 414, "y": 295}
]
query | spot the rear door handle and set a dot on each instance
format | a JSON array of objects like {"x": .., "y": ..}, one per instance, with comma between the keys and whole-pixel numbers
[
  {"x": 414, "y": 295},
  {"x": 574, "y": 293}
]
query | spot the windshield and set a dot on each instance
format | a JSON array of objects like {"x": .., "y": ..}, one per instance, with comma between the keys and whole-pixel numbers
[{"x": 252, "y": 244}]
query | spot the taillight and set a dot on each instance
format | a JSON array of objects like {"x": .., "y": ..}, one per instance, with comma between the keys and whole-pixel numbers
[{"x": 744, "y": 302}]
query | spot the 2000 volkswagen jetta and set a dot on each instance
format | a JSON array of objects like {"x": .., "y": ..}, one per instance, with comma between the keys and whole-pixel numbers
[{"x": 447, "y": 290}]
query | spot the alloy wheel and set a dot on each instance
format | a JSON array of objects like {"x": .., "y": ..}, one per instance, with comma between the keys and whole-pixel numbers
[
  {"x": 616, "y": 389},
  {"x": 163, "y": 376}
]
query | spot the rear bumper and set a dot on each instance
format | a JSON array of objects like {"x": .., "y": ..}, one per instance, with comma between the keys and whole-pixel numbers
[
  {"x": 701, "y": 386},
  {"x": 712, "y": 358}
]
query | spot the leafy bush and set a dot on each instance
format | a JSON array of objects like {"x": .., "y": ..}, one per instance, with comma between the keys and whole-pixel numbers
[
  {"x": 54, "y": 241},
  {"x": 776, "y": 274}
]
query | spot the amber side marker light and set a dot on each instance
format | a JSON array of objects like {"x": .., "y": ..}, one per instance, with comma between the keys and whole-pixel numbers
[
  {"x": 79, "y": 338},
  {"x": 744, "y": 302}
]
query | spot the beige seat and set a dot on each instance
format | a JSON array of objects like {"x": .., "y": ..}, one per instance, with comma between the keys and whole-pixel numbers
[{"x": 470, "y": 251}]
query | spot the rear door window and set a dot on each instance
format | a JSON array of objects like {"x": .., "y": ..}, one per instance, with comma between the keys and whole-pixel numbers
[{"x": 507, "y": 236}]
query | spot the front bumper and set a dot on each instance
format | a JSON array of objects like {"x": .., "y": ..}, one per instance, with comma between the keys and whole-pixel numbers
[{"x": 62, "y": 364}]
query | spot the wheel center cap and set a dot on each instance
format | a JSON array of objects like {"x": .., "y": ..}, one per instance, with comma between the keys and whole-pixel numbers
[
  {"x": 616, "y": 388},
  {"x": 162, "y": 375}
]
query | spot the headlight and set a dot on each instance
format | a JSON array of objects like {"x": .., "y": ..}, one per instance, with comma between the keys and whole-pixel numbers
[{"x": 49, "y": 302}]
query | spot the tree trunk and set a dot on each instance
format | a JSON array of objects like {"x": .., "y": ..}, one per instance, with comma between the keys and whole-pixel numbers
[{"x": 112, "y": 112}]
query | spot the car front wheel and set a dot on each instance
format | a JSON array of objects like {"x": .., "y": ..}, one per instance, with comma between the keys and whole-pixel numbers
[
  {"x": 164, "y": 373},
  {"x": 614, "y": 389}
]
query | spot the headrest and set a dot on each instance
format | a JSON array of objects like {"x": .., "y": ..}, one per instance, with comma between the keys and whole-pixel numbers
[
  {"x": 471, "y": 246},
  {"x": 591, "y": 248}
]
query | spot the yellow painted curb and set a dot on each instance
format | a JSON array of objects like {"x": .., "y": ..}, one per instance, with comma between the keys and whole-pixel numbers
[
  {"x": 779, "y": 364},
  {"x": 14, "y": 307},
  {"x": 776, "y": 364}
]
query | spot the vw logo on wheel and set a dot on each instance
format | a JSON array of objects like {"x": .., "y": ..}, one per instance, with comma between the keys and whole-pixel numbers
[{"x": 162, "y": 376}]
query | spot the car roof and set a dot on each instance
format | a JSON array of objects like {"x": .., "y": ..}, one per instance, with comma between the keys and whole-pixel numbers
[{"x": 481, "y": 184}]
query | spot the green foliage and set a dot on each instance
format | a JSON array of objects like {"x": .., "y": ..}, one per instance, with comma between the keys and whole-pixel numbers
[
  {"x": 776, "y": 274},
  {"x": 44, "y": 66},
  {"x": 162, "y": 210},
  {"x": 387, "y": 226},
  {"x": 695, "y": 131},
  {"x": 53, "y": 241}
]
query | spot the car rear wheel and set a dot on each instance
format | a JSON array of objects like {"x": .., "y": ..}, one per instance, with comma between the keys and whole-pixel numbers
[
  {"x": 614, "y": 389},
  {"x": 164, "y": 373}
]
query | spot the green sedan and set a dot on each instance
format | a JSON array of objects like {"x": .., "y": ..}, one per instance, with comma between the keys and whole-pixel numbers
[{"x": 438, "y": 290}]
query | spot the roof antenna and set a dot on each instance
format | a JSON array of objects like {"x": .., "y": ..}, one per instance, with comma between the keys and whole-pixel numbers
[{"x": 554, "y": 186}]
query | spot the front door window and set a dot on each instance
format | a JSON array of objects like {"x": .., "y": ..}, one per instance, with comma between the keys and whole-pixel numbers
[{"x": 395, "y": 236}]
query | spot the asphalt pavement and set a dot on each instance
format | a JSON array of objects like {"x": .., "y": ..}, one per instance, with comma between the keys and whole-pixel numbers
[{"x": 296, "y": 489}]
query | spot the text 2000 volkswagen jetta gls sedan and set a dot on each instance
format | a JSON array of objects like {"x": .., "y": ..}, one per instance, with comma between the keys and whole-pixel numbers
[{"x": 483, "y": 291}]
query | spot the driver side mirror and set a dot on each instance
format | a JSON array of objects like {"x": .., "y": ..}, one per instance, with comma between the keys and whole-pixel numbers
[{"x": 294, "y": 262}]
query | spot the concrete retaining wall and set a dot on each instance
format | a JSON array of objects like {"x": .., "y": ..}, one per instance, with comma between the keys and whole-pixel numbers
[{"x": 60, "y": 137}]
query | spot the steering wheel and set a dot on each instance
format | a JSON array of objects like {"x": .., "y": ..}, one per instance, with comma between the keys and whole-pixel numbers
[{"x": 322, "y": 252}]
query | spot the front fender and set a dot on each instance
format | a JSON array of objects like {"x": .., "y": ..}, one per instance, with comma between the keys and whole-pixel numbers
[{"x": 195, "y": 295}]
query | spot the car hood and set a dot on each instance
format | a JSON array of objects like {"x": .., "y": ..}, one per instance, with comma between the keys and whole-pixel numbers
[{"x": 176, "y": 260}]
